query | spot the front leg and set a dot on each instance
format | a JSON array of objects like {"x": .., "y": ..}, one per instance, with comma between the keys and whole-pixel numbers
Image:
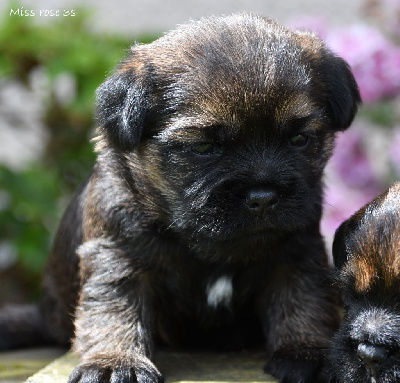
[
  {"x": 300, "y": 313},
  {"x": 114, "y": 318}
]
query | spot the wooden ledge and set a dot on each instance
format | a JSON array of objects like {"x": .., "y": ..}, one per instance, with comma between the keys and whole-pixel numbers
[
  {"x": 176, "y": 367},
  {"x": 57, "y": 371},
  {"x": 17, "y": 366},
  {"x": 213, "y": 368}
]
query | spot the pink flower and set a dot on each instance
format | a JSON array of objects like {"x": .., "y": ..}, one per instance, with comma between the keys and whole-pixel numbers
[
  {"x": 350, "y": 161},
  {"x": 341, "y": 201},
  {"x": 356, "y": 43},
  {"x": 394, "y": 4},
  {"x": 313, "y": 24},
  {"x": 374, "y": 60},
  {"x": 351, "y": 182}
]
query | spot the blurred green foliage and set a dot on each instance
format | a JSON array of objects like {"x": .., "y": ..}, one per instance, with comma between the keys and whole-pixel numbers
[
  {"x": 33, "y": 198},
  {"x": 382, "y": 114}
]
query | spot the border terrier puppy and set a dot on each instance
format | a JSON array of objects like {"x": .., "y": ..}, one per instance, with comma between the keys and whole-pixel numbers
[
  {"x": 199, "y": 225},
  {"x": 367, "y": 249}
]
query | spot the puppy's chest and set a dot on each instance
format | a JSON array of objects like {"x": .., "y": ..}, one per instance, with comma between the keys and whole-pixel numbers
[
  {"x": 207, "y": 290},
  {"x": 219, "y": 291}
]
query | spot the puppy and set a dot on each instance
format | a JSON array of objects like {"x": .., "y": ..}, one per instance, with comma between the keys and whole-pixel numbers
[
  {"x": 367, "y": 251},
  {"x": 199, "y": 225}
]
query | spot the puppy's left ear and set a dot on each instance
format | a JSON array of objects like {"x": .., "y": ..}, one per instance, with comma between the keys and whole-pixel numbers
[
  {"x": 340, "y": 89},
  {"x": 122, "y": 103},
  {"x": 339, "y": 250}
]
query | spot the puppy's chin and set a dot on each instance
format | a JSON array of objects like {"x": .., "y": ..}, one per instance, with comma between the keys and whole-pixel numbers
[
  {"x": 255, "y": 235},
  {"x": 238, "y": 242},
  {"x": 225, "y": 217},
  {"x": 241, "y": 250}
]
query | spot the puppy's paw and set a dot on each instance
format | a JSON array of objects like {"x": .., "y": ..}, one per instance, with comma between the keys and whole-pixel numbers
[
  {"x": 299, "y": 366},
  {"x": 142, "y": 372}
]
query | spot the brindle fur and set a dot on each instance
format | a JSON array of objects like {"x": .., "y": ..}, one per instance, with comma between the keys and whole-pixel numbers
[
  {"x": 367, "y": 254},
  {"x": 157, "y": 224}
]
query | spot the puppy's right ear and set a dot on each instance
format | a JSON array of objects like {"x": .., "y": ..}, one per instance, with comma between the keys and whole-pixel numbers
[
  {"x": 342, "y": 93},
  {"x": 122, "y": 102}
]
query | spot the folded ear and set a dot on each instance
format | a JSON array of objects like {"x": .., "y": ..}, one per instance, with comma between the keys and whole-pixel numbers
[
  {"x": 122, "y": 103},
  {"x": 341, "y": 90},
  {"x": 347, "y": 238},
  {"x": 339, "y": 246}
]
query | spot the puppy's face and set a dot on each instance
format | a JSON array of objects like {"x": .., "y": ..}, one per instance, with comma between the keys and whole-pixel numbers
[
  {"x": 367, "y": 249},
  {"x": 228, "y": 123}
]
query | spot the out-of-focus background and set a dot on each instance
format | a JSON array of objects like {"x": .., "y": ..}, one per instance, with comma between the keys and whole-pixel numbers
[{"x": 54, "y": 53}]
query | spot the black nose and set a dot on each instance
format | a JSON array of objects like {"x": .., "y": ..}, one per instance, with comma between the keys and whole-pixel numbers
[
  {"x": 259, "y": 201},
  {"x": 372, "y": 355}
]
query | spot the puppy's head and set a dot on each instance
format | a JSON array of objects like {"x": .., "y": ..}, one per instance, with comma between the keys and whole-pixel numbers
[
  {"x": 227, "y": 123},
  {"x": 367, "y": 252}
]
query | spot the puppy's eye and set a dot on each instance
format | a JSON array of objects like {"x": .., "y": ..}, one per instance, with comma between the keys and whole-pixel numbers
[
  {"x": 299, "y": 141},
  {"x": 205, "y": 148}
]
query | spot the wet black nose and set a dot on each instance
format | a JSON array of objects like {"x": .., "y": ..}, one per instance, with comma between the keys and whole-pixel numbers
[
  {"x": 259, "y": 201},
  {"x": 372, "y": 356}
]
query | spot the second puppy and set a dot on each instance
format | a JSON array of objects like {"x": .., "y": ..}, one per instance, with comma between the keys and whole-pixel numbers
[{"x": 367, "y": 250}]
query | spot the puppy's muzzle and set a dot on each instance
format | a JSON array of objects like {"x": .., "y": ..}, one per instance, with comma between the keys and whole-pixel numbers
[
  {"x": 260, "y": 201},
  {"x": 372, "y": 356}
]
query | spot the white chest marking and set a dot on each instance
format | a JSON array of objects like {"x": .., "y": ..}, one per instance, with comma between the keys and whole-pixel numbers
[{"x": 220, "y": 292}]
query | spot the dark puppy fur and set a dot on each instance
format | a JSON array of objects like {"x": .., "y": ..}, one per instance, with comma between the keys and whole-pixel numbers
[
  {"x": 199, "y": 226},
  {"x": 367, "y": 251}
]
